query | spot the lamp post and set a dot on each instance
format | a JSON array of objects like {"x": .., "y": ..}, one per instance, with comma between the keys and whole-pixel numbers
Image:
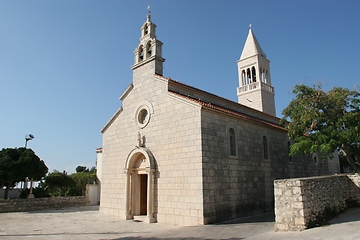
[{"x": 29, "y": 137}]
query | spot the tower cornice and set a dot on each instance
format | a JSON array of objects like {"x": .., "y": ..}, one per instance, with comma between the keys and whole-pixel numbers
[{"x": 135, "y": 66}]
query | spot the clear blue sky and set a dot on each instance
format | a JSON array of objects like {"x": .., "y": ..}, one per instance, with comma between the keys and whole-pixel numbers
[{"x": 64, "y": 64}]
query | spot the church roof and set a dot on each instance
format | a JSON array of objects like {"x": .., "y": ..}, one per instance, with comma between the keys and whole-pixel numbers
[
  {"x": 229, "y": 111},
  {"x": 251, "y": 47},
  {"x": 215, "y": 107}
]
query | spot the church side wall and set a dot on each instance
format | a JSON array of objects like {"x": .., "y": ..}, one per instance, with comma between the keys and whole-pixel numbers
[{"x": 241, "y": 185}]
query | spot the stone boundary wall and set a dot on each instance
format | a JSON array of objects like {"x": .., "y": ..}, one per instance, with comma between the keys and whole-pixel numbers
[
  {"x": 301, "y": 203},
  {"x": 31, "y": 204},
  {"x": 13, "y": 193},
  {"x": 355, "y": 187}
]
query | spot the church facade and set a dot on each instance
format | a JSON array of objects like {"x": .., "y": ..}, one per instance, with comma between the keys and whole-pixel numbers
[{"x": 176, "y": 154}]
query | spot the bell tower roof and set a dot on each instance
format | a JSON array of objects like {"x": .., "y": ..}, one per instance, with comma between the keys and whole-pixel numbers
[{"x": 251, "y": 47}]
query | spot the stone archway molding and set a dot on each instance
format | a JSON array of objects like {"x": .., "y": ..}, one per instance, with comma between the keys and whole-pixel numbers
[
  {"x": 135, "y": 152},
  {"x": 130, "y": 171}
]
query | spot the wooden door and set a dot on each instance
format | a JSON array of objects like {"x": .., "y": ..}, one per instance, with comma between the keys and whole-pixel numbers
[{"x": 143, "y": 194}]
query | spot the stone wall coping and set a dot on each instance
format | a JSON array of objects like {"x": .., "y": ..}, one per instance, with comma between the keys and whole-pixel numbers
[
  {"x": 313, "y": 178},
  {"x": 31, "y": 204}
]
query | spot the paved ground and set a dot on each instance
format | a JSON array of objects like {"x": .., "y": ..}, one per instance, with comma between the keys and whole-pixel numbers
[{"x": 87, "y": 223}]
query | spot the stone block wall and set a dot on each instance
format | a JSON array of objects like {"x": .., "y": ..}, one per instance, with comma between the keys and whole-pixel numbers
[
  {"x": 302, "y": 202},
  {"x": 242, "y": 184},
  {"x": 31, "y": 204},
  {"x": 173, "y": 135},
  {"x": 196, "y": 180},
  {"x": 354, "y": 186}
]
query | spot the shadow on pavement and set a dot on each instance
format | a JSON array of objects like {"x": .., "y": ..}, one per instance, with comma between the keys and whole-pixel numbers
[
  {"x": 349, "y": 215},
  {"x": 65, "y": 209},
  {"x": 263, "y": 217},
  {"x": 100, "y": 234},
  {"x": 134, "y": 238}
]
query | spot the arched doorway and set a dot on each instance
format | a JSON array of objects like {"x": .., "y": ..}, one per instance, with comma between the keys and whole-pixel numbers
[{"x": 139, "y": 192}]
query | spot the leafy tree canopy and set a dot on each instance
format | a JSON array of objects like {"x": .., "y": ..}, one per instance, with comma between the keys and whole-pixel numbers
[
  {"x": 17, "y": 164},
  {"x": 61, "y": 184},
  {"x": 81, "y": 169},
  {"x": 81, "y": 179},
  {"x": 58, "y": 184},
  {"x": 325, "y": 122}
]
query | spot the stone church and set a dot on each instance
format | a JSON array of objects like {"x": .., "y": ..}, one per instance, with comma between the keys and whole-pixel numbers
[{"x": 176, "y": 154}]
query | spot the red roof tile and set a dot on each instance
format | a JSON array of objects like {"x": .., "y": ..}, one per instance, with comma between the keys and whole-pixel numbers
[
  {"x": 228, "y": 111},
  {"x": 219, "y": 108}
]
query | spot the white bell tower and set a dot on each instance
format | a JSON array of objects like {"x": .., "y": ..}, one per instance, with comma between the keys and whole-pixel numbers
[
  {"x": 255, "y": 88},
  {"x": 149, "y": 51}
]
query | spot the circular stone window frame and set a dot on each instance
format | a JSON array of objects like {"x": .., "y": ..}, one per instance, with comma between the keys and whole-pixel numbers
[{"x": 144, "y": 108}]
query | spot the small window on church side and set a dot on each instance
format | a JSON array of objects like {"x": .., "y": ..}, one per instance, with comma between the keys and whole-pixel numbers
[
  {"x": 232, "y": 142},
  {"x": 265, "y": 148},
  {"x": 289, "y": 146},
  {"x": 315, "y": 158}
]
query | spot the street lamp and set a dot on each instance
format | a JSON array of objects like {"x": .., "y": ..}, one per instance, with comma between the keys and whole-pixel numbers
[{"x": 28, "y": 137}]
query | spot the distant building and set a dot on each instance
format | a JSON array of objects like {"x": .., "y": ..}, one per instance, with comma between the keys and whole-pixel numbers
[{"x": 179, "y": 155}]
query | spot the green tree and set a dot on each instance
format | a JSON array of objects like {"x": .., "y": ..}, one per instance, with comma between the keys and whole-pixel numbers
[
  {"x": 93, "y": 170},
  {"x": 325, "y": 122},
  {"x": 81, "y": 179},
  {"x": 81, "y": 169},
  {"x": 58, "y": 184},
  {"x": 35, "y": 168},
  {"x": 16, "y": 164}
]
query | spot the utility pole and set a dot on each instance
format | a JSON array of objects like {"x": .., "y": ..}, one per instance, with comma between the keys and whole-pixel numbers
[{"x": 29, "y": 137}]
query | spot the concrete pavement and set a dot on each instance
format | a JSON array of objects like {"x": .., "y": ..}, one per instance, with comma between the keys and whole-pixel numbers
[{"x": 87, "y": 223}]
